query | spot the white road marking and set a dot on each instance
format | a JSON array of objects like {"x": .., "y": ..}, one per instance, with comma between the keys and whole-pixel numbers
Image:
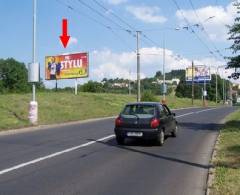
[
  {"x": 185, "y": 114},
  {"x": 75, "y": 148},
  {"x": 205, "y": 110},
  {"x": 53, "y": 155}
]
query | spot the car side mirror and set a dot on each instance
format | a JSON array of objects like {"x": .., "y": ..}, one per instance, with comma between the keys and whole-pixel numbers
[{"x": 174, "y": 114}]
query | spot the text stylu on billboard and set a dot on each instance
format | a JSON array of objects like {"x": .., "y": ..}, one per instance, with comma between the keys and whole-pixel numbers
[{"x": 66, "y": 66}]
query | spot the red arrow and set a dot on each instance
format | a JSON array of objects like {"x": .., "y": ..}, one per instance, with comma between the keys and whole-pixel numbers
[{"x": 64, "y": 37}]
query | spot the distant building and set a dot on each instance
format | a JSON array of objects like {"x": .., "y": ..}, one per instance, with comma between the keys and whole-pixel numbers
[
  {"x": 236, "y": 85},
  {"x": 172, "y": 81},
  {"x": 120, "y": 85}
]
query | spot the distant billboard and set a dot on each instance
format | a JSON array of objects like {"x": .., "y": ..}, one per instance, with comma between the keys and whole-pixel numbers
[
  {"x": 66, "y": 66},
  {"x": 201, "y": 73}
]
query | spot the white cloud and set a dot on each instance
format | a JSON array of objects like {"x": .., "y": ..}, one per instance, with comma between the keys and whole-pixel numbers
[
  {"x": 147, "y": 14},
  {"x": 116, "y": 2},
  {"x": 106, "y": 63},
  {"x": 73, "y": 41},
  {"x": 216, "y": 26}
]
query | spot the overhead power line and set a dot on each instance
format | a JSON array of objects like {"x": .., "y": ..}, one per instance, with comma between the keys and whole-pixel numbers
[
  {"x": 83, "y": 14},
  {"x": 108, "y": 27},
  {"x": 204, "y": 30},
  {"x": 115, "y": 15},
  {"x": 100, "y": 14},
  {"x": 131, "y": 30},
  {"x": 192, "y": 30}
]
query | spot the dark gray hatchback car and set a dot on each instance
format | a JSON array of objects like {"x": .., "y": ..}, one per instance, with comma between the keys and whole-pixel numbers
[{"x": 145, "y": 120}]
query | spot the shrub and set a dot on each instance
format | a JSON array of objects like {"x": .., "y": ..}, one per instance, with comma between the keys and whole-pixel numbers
[{"x": 148, "y": 96}]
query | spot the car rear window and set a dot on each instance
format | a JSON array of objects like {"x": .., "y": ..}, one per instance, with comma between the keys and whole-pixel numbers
[{"x": 139, "y": 110}]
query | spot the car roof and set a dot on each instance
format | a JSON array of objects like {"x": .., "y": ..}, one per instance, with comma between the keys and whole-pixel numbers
[{"x": 144, "y": 103}]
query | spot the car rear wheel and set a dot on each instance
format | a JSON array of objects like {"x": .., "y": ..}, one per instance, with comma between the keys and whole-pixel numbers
[
  {"x": 161, "y": 137},
  {"x": 120, "y": 140},
  {"x": 174, "y": 132}
]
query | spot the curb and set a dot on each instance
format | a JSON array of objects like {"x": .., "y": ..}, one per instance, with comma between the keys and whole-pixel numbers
[{"x": 211, "y": 170}]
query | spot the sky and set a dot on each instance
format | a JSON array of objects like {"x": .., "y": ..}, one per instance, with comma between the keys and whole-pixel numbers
[{"x": 106, "y": 29}]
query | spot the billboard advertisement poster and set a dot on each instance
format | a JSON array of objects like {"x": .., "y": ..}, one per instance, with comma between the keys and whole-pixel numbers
[
  {"x": 201, "y": 73},
  {"x": 66, "y": 66}
]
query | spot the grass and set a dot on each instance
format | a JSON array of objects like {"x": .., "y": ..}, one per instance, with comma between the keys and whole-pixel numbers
[
  {"x": 227, "y": 162},
  {"x": 59, "y": 107}
]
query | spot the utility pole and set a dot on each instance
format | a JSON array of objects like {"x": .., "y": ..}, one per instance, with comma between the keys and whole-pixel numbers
[
  {"x": 164, "y": 77},
  {"x": 33, "y": 73},
  {"x": 223, "y": 83},
  {"x": 34, "y": 45},
  {"x": 204, "y": 93},
  {"x": 138, "y": 70},
  {"x": 223, "y": 91},
  {"x": 129, "y": 83},
  {"x": 230, "y": 93},
  {"x": 192, "y": 82},
  {"x": 216, "y": 86}
]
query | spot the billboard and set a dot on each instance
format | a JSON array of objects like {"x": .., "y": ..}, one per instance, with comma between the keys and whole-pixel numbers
[
  {"x": 66, "y": 66},
  {"x": 201, "y": 73}
]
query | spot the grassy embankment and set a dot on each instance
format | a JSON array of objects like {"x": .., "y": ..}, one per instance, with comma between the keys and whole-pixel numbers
[
  {"x": 227, "y": 162},
  {"x": 62, "y": 107}
]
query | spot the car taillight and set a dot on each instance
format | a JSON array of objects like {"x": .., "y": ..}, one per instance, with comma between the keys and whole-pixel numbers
[
  {"x": 118, "y": 122},
  {"x": 155, "y": 123}
]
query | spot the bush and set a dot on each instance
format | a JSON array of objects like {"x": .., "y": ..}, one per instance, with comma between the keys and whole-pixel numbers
[
  {"x": 92, "y": 86},
  {"x": 148, "y": 96}
]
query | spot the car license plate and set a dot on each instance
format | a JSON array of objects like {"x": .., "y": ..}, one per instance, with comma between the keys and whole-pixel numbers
[{"x": 134, "y": 134}]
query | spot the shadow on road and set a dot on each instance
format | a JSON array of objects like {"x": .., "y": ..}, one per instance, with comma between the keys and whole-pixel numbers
[
  {"x": 113, "y": 143},
  {"x": 200, "y": 126}
]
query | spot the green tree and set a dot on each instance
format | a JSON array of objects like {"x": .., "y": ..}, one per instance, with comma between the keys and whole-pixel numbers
[
  {"x": 158, "y": 74},
  {"x": 234, "y": 32},
  {"x": 13, "y": 76}
]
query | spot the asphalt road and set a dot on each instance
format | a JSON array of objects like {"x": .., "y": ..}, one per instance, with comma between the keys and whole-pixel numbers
[{"x": 85, "y": 159}]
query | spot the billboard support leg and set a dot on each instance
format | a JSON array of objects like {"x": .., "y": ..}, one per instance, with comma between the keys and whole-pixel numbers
[
  {"x": 76, "y": 87},
  {"x": 56, "y": 86}
]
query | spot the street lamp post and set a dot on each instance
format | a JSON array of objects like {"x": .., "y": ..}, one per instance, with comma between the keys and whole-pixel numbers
[
  {"x": 138, "y": 70},
  {"x": 204, "y": 93},
  {"x": 223, "y": 91},
  {"x": 34, "y": 44},
  {"x": 129, "y": 83},
  {"x": 33, "y": 73},
  {"x": 164, "y": 76},
  {"x": 223, "y": 84},
  {"x": 192, "y": 82},
  {"x": 216, "y": 75}
]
